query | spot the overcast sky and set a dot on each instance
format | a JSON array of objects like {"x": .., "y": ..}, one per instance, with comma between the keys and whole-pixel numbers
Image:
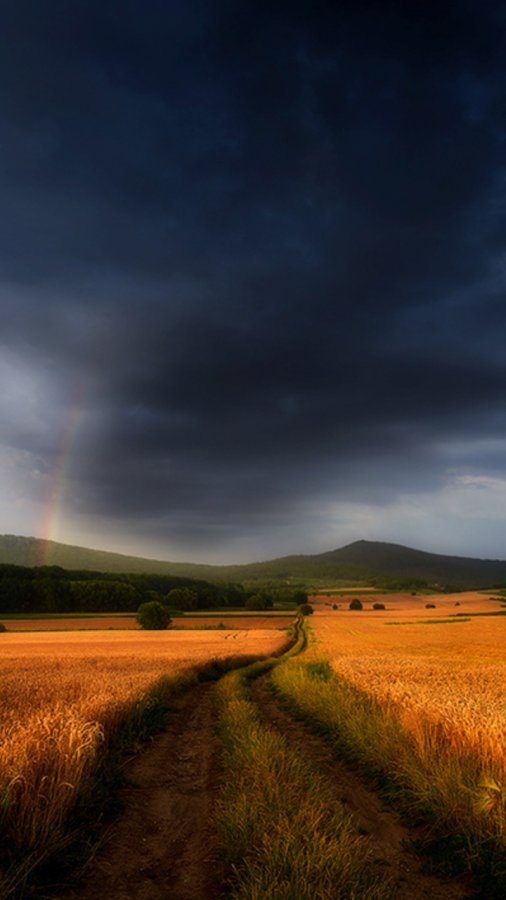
[{"x": 252, "y": 275}]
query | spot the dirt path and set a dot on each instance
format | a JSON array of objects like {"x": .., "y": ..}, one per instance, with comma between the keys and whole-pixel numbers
[
  {"x": 162, "y": 846},
  {"x": 387, "y": 836}
]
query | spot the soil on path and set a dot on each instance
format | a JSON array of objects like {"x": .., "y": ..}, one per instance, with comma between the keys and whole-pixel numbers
[
  {"x": 387, "y": 836},
  {"x": 162, "y": 845}
]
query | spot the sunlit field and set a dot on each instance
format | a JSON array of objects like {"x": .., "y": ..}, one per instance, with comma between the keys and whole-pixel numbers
[
  {"x": 235, "y": 620},
  {"x": 415, "y": 698},
  {"x": 87, "y": 674},
  {"x": 450, "y": 672},
  {"x": 65, "y": 694},
  {"x": 402, "y": 604}
]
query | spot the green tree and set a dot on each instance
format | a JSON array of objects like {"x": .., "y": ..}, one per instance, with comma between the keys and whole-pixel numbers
[
  {"x": 153, "y": 616},
  {"x": 299, "y": 597},
  {"x": 305, "y": 609},
  {"x": 256, "y": 601},
  {"x": 182, "y": 598},
  {"x": 356, "y": 604}
]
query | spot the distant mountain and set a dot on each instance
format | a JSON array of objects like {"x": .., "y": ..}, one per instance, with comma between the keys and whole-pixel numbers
[
  {"x": 361, "y": 561},
  {"x": 380, "y": 559},
  {"x": 30, "y": 551}
]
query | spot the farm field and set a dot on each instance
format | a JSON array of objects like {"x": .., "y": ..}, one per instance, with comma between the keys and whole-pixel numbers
[
  {"x": 128, "y": 621},
  {"x": 415, "y": 699},
  {"x": 119, "y": 662},
  {"x": 65, "y": 694},
  {"x": 409, "y": 694},
  {"x": 447, "y": 673},
  {"x": 402, "y": 604},
  {"x": 244, "y": 622}
]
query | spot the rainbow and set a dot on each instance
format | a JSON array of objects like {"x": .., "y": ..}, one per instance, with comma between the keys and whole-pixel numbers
[{"x": 53, "y": 506}]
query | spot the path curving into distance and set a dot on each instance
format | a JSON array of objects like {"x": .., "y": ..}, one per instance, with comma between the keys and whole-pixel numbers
[{"x": 162, "y": 847}]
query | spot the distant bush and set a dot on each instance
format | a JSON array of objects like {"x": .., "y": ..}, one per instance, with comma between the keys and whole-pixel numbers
[
  {"x": 2, "y": 627},
  {"x": 356, "y": 604},
  {"x": 430, "y": 606},
  {"x": 335, "y": 606},
  {"x": 305, "y": 609},
  {"x": 153, "y": 616},
  {"x": 378, "y": 606},
  {"x": 457, "y": 603}
]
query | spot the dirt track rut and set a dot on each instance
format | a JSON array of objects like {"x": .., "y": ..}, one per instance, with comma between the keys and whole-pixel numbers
[
  {"x": 388, "y": 838},
  {"x": 162, "y": 845}
]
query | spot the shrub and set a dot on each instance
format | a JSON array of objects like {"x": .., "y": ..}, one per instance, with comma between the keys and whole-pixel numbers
[
  {"x": 430, "y": 606},
  {"x": 335, "y": 606},
  {"x": 378, "y": 606},
  {"x": 356, "y": 604},
  {"x": 2, "y": 627},
  {"x": 305, "y": 609},
  {"x": 153, "y": 616}
]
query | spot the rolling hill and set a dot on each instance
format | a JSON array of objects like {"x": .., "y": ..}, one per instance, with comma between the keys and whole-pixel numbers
[{"x": 360, "y": 561}]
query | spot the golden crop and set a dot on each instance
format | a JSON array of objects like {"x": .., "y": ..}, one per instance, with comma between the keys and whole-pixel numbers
[
  {"x": 63, "y": 695},
  {"x": 444, "y": 681}
]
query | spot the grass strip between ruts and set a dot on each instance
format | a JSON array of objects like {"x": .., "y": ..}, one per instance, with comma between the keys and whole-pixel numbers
[{"x": 281, "y": 833}]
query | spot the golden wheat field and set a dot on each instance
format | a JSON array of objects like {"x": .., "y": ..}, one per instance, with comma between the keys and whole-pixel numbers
[
  {"x": 447, "y": 676},
  {"x": 63, "y": 694},
  {"x": 72, "y": 623},
  {"x": 86, "y": 672},
  {"x": 236, "y": 620}
]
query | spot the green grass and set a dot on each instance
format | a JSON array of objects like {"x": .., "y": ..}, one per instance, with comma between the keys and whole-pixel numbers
[
  {"x": 342, "y": 589},
  {"x": 500, "y": 612},
  {"x": 282, "y": 834}
]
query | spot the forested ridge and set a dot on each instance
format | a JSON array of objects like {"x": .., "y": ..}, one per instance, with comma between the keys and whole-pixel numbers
[{"x": 367, "y": 562}]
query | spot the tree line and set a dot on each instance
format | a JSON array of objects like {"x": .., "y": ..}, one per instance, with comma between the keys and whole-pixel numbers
[{"x": 52, "y": 589}]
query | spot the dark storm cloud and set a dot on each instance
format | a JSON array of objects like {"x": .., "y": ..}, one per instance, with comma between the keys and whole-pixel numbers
[{"x": 260, "y": 242}]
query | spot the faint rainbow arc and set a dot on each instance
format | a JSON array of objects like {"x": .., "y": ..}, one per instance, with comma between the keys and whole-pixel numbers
[{"x": 63, "y": 456}]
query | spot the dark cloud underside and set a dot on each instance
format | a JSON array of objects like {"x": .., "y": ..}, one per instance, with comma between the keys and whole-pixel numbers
[{"x": 260, "y": 248}]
